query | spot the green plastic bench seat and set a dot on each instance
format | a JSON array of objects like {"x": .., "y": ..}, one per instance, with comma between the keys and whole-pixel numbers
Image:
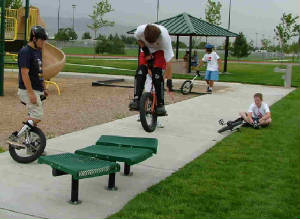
[
  {"x": 112, "y": 140},
  {"x": 80, "y": 166},
  {"x": 127, "y": 155}
]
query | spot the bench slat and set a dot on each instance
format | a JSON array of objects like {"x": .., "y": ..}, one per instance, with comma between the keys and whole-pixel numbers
[
  {"x": 113, "y": 140},
  {"x": 80, "y": 166},
  {"x": 128, "y": 155}
]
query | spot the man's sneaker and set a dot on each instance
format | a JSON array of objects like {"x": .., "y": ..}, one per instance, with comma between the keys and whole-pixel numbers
[
  {"x": 161, "y": 111},
  {"x": 134, "y": 105}
]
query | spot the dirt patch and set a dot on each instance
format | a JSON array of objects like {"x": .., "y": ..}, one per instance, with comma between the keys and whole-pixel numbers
[{"x": 79, "y": 106}]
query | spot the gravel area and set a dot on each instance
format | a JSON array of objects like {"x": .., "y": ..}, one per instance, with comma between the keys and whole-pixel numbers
[{"x": 79, "y": 106}]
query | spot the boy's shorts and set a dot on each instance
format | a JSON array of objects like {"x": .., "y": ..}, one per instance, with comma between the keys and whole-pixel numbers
[
  {"x": 35, "y": 111},
  {"x": 211, "y": 75}
]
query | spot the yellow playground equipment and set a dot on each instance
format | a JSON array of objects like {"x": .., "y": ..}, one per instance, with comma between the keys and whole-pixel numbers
[{"x": 53, "y": 58}]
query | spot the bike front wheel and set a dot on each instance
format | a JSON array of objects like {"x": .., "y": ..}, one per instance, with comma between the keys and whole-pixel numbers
[
  {"x": 35, "y": 142},
  {"x": 186, "y": 87},
  {"x": 148, "y": 116}
]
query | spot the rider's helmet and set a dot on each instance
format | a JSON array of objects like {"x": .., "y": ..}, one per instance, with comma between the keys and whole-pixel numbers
[
  {"x": 209, "y": 46},
  {"x": 38, "y": 32}
]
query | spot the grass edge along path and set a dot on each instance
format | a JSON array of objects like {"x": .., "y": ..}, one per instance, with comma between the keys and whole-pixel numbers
[{"x": 249, "y": 174}]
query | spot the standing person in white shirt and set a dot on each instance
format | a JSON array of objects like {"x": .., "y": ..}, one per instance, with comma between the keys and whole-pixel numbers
[
  {"x": 258, "y": 111},
  {"x": 155, "y": 56},
  {"x": 213, "y": 66}
]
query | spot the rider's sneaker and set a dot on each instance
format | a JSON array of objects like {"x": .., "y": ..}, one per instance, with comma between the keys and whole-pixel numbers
[
  {"x": 134, "y": 105},
  {"x": 13, "y": 139},
  {"x": 161, "y": 110}
]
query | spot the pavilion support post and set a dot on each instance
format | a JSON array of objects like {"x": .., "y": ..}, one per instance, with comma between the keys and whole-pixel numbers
[
  {"x": 177, "y": 46},
  {"x": 226, "y": 54},
  {"x": 190, "y": 56}
]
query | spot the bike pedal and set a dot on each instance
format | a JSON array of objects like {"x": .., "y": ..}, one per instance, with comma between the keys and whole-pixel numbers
[
  {"x": 161, "y": 115},
  {"x": 18, "y": 147}
]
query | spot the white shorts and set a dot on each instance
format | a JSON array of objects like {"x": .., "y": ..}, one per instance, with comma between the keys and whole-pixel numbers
[{"x": 35, "y": 111}]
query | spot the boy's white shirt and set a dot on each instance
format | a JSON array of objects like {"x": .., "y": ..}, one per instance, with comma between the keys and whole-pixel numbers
[
  {"x": 163, "y": 43},
  {"x": 258, "y": 112},
  {"x": 212, "y": 61}
]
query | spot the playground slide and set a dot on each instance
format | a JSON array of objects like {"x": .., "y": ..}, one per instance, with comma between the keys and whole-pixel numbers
[{"x": 53, "y": 61}]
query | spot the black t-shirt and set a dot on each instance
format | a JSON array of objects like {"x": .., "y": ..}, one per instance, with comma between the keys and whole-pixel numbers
[{"x": 32, "y": 59}]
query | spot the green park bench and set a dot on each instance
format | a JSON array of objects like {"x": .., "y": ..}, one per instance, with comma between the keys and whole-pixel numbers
[
  {"x": 130, "y": 150},
  {"x": 100, "y": 159}
]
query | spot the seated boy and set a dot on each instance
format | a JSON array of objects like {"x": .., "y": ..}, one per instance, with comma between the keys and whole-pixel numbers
[
  {"x": 156, "y": 54},
  {"x": 258, "y": 113}
]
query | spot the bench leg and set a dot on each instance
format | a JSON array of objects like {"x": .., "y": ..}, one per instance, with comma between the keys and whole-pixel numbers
[
  {"x": 74, "y": 192},
  {"x": 127, "y": 170},
  {"x": 112, "y": 182}
]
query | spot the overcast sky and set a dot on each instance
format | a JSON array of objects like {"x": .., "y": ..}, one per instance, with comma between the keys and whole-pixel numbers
[{"x": 247, "y": 16}]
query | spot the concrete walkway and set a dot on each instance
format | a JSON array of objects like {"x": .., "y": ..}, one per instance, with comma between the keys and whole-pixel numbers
[{"x": 30, "y": 191}]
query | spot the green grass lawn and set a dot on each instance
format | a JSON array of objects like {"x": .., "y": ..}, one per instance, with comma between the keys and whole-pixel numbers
[
  {"x": 133, "y": 52},
  {"x": 250, "y": 174},
  {"x": 90, "y": 51},
  {"x": 240, "y": 72}
]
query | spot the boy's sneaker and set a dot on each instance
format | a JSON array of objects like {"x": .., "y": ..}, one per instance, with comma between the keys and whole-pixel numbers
[
  {"x": 209, "y": 90},
  {"x": 13, "y": 140}
]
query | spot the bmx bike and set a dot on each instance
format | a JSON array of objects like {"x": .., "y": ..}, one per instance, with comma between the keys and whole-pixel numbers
[
  {"x": 187, "y": 85},
  {"x": 236, "y": 124},
  {"x": 32, "y": 143}
]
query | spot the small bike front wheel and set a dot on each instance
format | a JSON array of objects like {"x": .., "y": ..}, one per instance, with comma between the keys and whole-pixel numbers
[
  {"x": 148, "y": 117},
  {"x": 186, "y": 87},
  {"x": 35, "y": 142},
  {"x": 230, "y": 126}
]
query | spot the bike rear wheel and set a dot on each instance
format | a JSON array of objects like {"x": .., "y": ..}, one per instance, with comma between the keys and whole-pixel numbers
[
  {"x": 186, "y": 87},
  {"x": 147, "y": 116},
  {"x": 35, "y": 142}
]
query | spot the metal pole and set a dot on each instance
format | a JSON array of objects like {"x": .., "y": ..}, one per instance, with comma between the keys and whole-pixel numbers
[
  {"x": 190, "y": 56},
  {"x": 229, "y": 15},
  {"x": 177, "y": 46},
  {"x": 26, "y": 19},
  {"x": 157, "y": 9},
  {"x": 2, "y": 48},
  {"x": 226, "y": 54},
  {"x": 58, "y": 15},
  {"x": 73, "y": 6}
]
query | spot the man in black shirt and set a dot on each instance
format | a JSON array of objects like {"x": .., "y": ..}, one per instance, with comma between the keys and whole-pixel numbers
[{"x": 31, "y": 81}]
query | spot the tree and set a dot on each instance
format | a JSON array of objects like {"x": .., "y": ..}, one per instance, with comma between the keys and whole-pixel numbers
[
  {"x": 241, "y": 47},
  {"x": 13, "y": 4},
  {"x": 287, "y": 29},
  {"x": 213, "y": 12},
  {"x": 180, "y": 44},
  {"x": 86, "y": 36},
  {"x": 100, "y": 9},
  {"x": 266, "y": 44},
  {"x": 65, "y": 34}
]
